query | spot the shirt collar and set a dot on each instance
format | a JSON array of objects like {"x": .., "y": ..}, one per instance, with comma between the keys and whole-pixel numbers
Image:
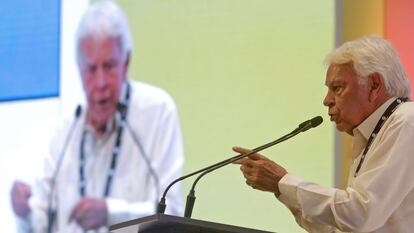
[
  {"x": 367, "y": 126},
  {"x": 124, "y": 90}
]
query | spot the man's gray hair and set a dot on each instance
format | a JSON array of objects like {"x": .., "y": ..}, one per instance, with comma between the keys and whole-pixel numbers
[
  {"x": 370, "y": 55},
  {"x": 104, "y": 19}
]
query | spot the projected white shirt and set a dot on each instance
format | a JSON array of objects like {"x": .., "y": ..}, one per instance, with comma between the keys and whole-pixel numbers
[{"x": 153, "y": 117}]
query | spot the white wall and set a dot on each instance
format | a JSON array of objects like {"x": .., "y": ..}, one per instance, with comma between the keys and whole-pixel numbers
[{"x": 26, "y": 126}]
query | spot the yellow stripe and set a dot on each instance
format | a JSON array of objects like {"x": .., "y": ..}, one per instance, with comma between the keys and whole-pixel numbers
[{"x": 359, "y": 18}]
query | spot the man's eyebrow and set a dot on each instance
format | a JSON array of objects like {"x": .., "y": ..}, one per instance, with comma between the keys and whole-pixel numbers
[{"x": 337, "y": 81}]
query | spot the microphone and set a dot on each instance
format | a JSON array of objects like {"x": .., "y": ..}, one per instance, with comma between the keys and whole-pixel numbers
[
  {"x": 312, "y": 123},
  {"x": 189, "y": 204},
  {"x": 50, "y": 212},
  {"x": 122, "y": 110},
  {"x": 304, "y": 126}
]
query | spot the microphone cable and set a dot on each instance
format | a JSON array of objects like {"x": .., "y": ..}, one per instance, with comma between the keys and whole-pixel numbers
[{"x": 51, "y": 213}]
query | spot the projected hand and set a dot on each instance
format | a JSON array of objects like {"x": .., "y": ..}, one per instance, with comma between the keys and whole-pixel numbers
[
  {"x": 260, "y": 172},
  {"x": 90, "y": 213},
  {"x": 20, "y": 194}
]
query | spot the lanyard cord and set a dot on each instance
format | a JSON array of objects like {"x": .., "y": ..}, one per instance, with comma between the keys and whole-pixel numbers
[
  {"x": 115, "y": 153},
  {"x": 393, "y": 106}
]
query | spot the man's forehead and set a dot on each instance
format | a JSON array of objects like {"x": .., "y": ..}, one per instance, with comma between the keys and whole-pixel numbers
[{"x": 339, "y": 73}]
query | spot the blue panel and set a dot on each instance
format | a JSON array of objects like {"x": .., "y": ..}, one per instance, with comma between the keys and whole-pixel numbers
[{"x": 29, "y": 49}]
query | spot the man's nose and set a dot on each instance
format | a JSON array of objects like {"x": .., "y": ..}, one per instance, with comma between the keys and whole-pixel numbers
[
  {"x": 329, "y": 100},
  {"x": 101, "y": 80}
]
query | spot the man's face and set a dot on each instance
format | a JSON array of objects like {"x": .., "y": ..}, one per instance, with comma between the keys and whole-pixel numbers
[
  {"x": 347, "y": 100},
  {"x": 103, "y": 71}
]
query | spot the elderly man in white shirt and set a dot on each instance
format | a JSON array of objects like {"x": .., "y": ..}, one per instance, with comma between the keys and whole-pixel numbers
[
  {"x": 367, "y": 98},
  {"x": 110, "y": 162}
]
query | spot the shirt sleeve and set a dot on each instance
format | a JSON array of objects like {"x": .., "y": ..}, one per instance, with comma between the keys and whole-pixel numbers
[
  {"x": 370, "y": 199},
  {"x": 169, "y": 163},
  {"x": 120, "y": 209},
  {"x": 39, "y": 202},
  {"x": 292, "y": 191},
  {"x": 23, "y": 225},
  {"x": 166, "y": 155}
]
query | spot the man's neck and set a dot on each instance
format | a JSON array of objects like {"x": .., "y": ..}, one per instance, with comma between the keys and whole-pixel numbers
[
  {"x": 102, "y": 129},
  {"x": 381, "y": 100}
]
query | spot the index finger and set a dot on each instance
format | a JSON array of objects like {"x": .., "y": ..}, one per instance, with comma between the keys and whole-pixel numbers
[{"x": 254, "y": 156}]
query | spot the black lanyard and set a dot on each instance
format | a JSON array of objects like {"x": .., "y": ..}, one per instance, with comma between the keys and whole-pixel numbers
[
  {"x": 378, "y": 127},
  {"x": 115, "y": 153}
]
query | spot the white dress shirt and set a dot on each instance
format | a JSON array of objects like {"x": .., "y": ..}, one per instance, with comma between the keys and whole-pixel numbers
[
  {"x": 380, "y": 198},
  {"x": 153, "y": 117}
]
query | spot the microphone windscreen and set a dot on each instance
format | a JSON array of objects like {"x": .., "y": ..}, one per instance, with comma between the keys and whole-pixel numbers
[
  {"x": 316, "y": 121},
  {"x": 312, "y": 123}
]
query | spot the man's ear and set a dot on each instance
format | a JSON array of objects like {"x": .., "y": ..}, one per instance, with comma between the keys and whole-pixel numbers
[{"x": 376, "y": 86}]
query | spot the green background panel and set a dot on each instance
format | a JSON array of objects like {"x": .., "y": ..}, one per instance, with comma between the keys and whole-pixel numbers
[{"x": 242, "y": 72}]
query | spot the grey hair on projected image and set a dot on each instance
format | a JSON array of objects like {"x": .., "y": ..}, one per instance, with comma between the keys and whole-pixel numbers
[
  {"x": 104, "y": 19},
  {"x": 373, "y": 54}
]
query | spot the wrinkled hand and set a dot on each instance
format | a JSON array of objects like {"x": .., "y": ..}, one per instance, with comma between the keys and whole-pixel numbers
[
  {"x": 260, "y": 172},
  {"x": 90, "y": 213},
  {"x": 20, "y": 194}
]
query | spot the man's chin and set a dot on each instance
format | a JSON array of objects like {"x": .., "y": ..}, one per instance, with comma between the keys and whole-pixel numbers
[
  {"x": 339, "y": 127},
  {"x": 101, "y": 117},
  {"x": 344, "y": 129}
]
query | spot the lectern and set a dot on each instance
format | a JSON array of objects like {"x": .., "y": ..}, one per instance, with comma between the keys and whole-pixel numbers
[{"x": 162, "y": 223}]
